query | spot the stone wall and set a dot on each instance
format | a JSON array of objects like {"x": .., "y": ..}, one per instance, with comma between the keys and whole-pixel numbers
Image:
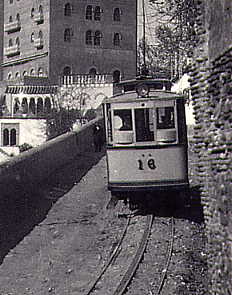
[{"x": 211, "y": 87}]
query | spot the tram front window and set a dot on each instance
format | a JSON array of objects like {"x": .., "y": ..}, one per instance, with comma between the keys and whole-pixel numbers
[
  {"x": 166, "y": 132},
  {"x": 144, "y": 125},
  {"x": 165, "y": 118},
  {"x": 123, "y": 128}
]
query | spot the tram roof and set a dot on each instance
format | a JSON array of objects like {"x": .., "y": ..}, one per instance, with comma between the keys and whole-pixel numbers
[{"x": 153, "y": 95}]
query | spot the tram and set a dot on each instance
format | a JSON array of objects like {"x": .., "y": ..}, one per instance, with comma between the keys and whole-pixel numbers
[{"x": 146, "y": 138}]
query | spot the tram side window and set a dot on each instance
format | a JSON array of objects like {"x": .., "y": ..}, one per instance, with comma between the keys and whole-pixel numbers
[
  {"x": 123, "y": 120},
  {"x": 165, "y": 118},
  {"x": 144, "y": 125}
]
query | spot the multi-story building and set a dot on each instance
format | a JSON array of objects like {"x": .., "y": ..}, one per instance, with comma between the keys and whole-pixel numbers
[
  {"x": 56, "y": 37},
  {"x": 50, "y": 43},
  {"x": 1, "y": 35}
]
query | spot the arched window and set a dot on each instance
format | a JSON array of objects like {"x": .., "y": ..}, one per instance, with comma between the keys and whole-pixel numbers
[
  {"x": 97, "y": 13},
  {"x": 67, "y": 9},
  {"x": 32, "y": 72},
  {"x": 13, "y": 137},
  {"x": 32, "y": 106},
  {"x": 117, "y": 39},
  {"x": 32, "y": 12},
  {"x": 89, "y": 12},
  {"x": 24, "y": 106},
  {"x": 40, "y": 72},
  {"x": 40, "y": 106},
  {"x": 32, "y": 37},
  {"x": 41, "y": 9},
  {"x": 17, "y": 42},
  {"x": 10, "y": 19},
  {"x": 97, "y": 38},
  {"x": 67, "y": 35},
  {"x": 17, "y": 75},
  {"x": 92, "y": 72},
  {"x": 88, "y": 38},
  {"x": 67, "y": 71},
  {"x": 6, "y": 137},
  {"x": 24, "y": 73},
  {"x": 116, "y": 76},
  {"x": 116, "y": 16},
  {"x": 9, "y": 77},
  {"x": 40, "y": 35},
  {"x": 16, "y": 106},
  {"x": 10, "y": 42},
  {"x": 47, "y": 105}
]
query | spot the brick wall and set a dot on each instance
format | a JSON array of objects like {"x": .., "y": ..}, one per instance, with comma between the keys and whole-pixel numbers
[{"x": 211, "y": 85}]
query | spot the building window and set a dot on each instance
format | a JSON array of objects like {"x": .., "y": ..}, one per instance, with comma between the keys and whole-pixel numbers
[
  {"x": 10, "y": 43},
  {"x": 9, "y": 134},
  {"x": 32, "y": 106},
  {"x": 41, "y": 10},
  {"x": 97, "y": 13},
  {"x": 117, "y": 39},
  {"x": 117, "y": 15},
  {"x": 17, "y": 75},
  {"x": 89, "y": 12},
  {"x": 6, "y": 139},
  {"x": 24, "y": 106},
  {"x": 92, "y": 72},
  {"x": 40, "y": 35},
  {"x": 32, "y": 37},
  {"x": 24, "y": 73},
  {"x": 67, "y": 71},
  {"x": 40, "y": 72},
  {"x": 32, "y": 72},
  {"x": 11, "y": 1},
  {"x": 17, "y": 42},
  {"x": 18, "y": 17},
  {"x": 88, "y": 38},
  {"x": 10, "y": 19},
  {"x": 67, "y": 9},
  {"x": 32, "y": 12},
  {"x": 97, "y": 38},
  {"x": 67, "y": 35}
]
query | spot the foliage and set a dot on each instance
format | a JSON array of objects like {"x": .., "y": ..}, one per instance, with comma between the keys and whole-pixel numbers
[
  {"x": 175, "y": 32},
  {"x": 72, "y": 104},
  {"x": 25, "y": 147}
]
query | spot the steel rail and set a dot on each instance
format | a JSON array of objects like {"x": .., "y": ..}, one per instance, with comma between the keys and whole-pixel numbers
[
  {"x": 109, "y": 261},
  {"x": 137, "y": 258},
  {"x": 170, "y": 250}
]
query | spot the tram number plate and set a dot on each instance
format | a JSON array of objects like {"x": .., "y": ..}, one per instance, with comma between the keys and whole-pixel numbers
[{"x": 145, "y": 164}]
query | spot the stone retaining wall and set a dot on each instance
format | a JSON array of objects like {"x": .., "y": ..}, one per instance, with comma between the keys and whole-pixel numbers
[
  {"x": 35, "y": 165},
  {"x": 211, "y": 87}
]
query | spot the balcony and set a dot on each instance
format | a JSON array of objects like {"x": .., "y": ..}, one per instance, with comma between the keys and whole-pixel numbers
[
  {"x": 12, "y": 27},
  {"x": 12, "y": 50},
  {"x": 38, "y": 18},
  {"x": 86, "y": 79},
  {"x": 38, "y": 43}
]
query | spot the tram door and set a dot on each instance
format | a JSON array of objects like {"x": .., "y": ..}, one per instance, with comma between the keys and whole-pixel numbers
[{"x": 166, "y": 122}]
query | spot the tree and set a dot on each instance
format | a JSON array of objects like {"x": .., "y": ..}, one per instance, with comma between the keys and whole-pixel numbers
[
  {"x": 175, "y": 30},
  {"x": 71, "y": 103}
]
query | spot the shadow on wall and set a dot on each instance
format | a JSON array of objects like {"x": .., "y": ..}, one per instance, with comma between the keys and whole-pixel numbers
[{"x": 24, "y": 210}]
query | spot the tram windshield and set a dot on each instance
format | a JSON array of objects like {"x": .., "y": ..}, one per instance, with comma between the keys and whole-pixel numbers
[
  {"x": 144, "y": 125},
  {"x": 123, "y": 120},
  {"x": 165, "y": 118}
]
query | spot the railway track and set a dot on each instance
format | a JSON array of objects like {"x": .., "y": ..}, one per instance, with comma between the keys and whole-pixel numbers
[{"x": 118, "y": 271}]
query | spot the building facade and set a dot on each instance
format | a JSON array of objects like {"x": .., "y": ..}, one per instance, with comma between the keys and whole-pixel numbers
[
  {"x": 54, "y": 37},
  {"x": 1, "y": 35}
]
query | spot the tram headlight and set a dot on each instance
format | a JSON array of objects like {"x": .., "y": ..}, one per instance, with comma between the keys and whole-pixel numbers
[{"x": 142, "y": 90}]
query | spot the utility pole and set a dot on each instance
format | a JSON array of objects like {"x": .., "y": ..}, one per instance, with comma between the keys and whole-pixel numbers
[{"x": 144, "y": 67}]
